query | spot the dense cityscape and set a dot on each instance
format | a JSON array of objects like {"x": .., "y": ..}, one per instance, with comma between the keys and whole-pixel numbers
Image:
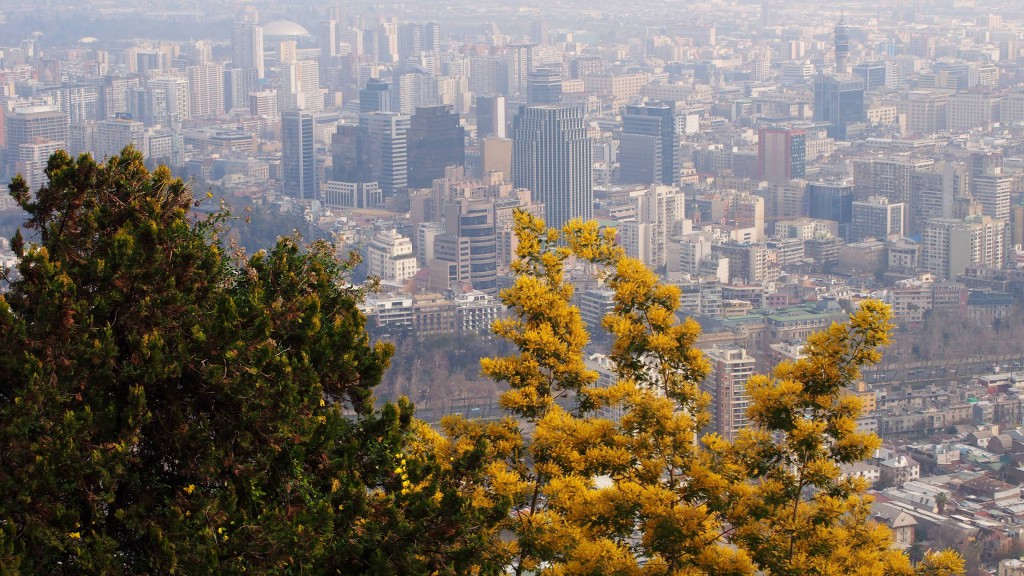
[{"x": 778, "y": 163}]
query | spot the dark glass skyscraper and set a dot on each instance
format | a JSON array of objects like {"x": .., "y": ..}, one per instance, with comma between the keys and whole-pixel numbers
[
  {"x": 648, "y": 146},
  {"x": 827, "y": 201},
  {"x": 436, "y": 141},
  {"x": 839, "y": 102},
  {"x": 551, "y": 157},
  {"x": 299, "y": 155}
]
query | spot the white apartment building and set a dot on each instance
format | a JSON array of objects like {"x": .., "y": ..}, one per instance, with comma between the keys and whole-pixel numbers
[{"x": 390, "y": 257}]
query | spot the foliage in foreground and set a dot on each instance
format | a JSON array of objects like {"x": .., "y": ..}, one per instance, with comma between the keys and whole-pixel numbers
[
  {"x": 167, "y": 407},
  {"x": 645, "y": 493}
]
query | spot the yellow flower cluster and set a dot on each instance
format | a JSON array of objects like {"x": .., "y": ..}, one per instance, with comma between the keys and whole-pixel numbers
[{"x": 401, "y": 471}]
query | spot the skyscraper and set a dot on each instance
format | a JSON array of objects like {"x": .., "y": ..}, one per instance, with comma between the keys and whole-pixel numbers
[
  {"x": 169, "y": 101},
  {"x": 375, "y": 97},
  {"x": 206, "y": 88},
  {"x": 993, "y": 191},
  {"x": 436, "y": 141},
  {"x": 238, "y": 84},
  {"x": 839, "y": 97},
  {"x": 839, "y": 102},
  {"x": 833, "y": 202},
  {"x": 520, "y": 64},
  {"x": 388, "y": 134},
  {"x": 551, "y": 157},
  {"x": 648, "y": 146},
  {"x": 781, "y": 154},
  {"x": 490, "y": 116},
  {"x": 247, "y": 42},
  {"x": 300, "y": 86},
  {"x": 328, "y": 38},
  {"x": 544, "y": 86},
  {"x": 415, "y": 38},
  {"x": 34, "y": 125},
  {"x": 299, "y": 155}
]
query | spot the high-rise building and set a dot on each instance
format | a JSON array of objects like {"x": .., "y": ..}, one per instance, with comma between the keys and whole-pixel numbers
[
  {"x": 839, "y": 102},
  {"x": 877, "y": 75},
  {"x": 413, "y": 89},
  {"x": 544, "y": 86},
  {"x": 238, "y": 84},
  {"x": 436, "y": 141},
  {"x": 197, "y": 52},
  {"x": 927, "y": 111},
  {"x": 33, "y": 125},
  {"x": 490, "y": 116},
  {"x": 893, "y": 178},
  {"x": 472, "y": 221},
  {"x": 659, "y": 215},
  {"x": 206, "y": 88},
  {"x": 415, "y": 38},
  {"x": 519, "y": 59},
  {"x": 170, "y": 101},
  {"x": 264, "y": 105},
  {"x": 298, "y": 158},
  {"x": 551, "y": 157},
  {"x": 375, "y": 96},
  {"x": 829, "y": 201},
  {"x": 939, "y": 189},
  {"x": 489, "y": 76},
  {"x": 350, "y": 153},
  {"x": 300, "y": 86},
  {"x": 111, "y": 136},
  {"x": 781, "y": 154},
  {"x": 539, "y": 32},
  {"x": 582, "y": 66},
  {"x": 726, "y": 383},
  {"x": 993, "y": 191},
  {"x": 950, "y": 245},
  {"x": 648, "y": 146},
  {"x": 247, "y": 42},
  {"x": 877, "y": 218},
  {"x": 388, "y": 151},
  {"x": 31, "y": 161},
  {"x": 328, "y": 38}
]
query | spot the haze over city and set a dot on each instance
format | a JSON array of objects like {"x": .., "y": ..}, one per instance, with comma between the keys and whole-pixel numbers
[{"x": 780, "y": 165}]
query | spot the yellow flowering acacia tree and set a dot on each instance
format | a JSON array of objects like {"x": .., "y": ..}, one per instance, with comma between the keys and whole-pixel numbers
[
  {"x": 642, "y": 494},
  {"x": 798, "y": 514}
]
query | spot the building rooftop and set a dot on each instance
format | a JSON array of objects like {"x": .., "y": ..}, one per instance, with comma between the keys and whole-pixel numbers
[{"x": 280, "y": 28}]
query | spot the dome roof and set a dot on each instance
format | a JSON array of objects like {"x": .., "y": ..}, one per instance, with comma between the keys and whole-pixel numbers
[{"x": 284, "y": 28}]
